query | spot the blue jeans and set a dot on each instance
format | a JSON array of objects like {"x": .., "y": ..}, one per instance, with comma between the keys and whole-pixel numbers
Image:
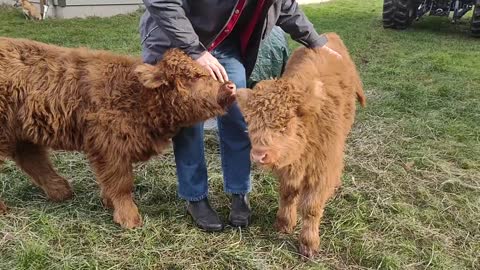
[{"x": 234, "y": 142}]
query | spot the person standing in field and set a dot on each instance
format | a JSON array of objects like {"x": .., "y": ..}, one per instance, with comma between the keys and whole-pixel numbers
[{"x": 223, "y": 36}]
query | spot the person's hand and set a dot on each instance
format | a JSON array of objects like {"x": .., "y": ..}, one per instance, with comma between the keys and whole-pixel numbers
[
  {"x": 213, "y": 66},
  {"x": 331, "y": 51}
]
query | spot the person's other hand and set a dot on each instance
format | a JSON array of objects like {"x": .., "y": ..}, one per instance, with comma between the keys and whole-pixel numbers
[
  {"x": 211, "y": 63},
  {"x": 331, "y": 51}
]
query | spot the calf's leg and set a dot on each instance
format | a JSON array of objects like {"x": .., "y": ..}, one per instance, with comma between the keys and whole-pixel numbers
[
  {"x": 3, "y": 207},
  {"x": 3, "y": 153},
  {"x": 314, "y": 198},
  {"x": 287, "y": 211},
  {"x": 33, "y": 160},
  {"x": 115, "y": 177}
]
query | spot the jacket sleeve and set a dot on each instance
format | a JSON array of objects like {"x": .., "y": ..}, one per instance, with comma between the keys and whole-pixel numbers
[
  {"x": 170, "y": 17},
  {"x": 293, "y": 21}
]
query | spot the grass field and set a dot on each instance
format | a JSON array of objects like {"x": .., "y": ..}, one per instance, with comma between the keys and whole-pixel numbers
[{"x": 411, "y": 192}]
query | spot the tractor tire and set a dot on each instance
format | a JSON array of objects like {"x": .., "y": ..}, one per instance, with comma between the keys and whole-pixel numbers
[
  {"x": 475, "y": 23},
  {"x": 399, "y": 14}
]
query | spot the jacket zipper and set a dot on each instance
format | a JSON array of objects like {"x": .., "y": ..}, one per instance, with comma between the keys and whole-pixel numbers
[
  {"x": 149, "y": 34},
  {"x": 223, "y": 28}
]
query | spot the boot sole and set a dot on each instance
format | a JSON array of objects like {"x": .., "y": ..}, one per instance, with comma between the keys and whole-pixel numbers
[
  {"x": 241, "y": 224},
  {"x": 203, "y": 228}
]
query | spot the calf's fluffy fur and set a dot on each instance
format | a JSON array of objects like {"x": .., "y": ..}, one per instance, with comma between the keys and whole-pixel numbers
[
  {"x": 113, "y": 108},
  {"x": 298, "y": 126},
  {"x": 29, "y": 10}
]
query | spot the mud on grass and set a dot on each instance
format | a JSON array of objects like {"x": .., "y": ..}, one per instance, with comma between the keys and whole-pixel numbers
[{"x": 411, "y": 192}]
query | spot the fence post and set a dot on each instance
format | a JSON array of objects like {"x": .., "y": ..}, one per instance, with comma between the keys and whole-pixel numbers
[{"x": 44, "y": 6}]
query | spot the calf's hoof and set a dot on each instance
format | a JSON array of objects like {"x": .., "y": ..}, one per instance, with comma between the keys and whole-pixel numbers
[
  {"x": 307, "y": 252},
  {"x": 284, "y": 226},
  {"x": 128, "y": 219},
  {"x": 3, "y": 208},
  {"x": 60, "y": 193}
]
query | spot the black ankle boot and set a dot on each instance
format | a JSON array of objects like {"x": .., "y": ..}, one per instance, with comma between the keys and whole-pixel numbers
[
  {"x": 204, "y": 216},
  {"x": 240, "y": 212}
]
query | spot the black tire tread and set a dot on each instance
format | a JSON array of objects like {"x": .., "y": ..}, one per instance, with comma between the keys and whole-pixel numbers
[
  {"x": 475, "y": 23},
  {"x": 396, "y": 14}
]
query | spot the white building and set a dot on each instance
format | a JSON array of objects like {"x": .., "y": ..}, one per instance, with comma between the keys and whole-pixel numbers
[{"x": 85, "y": 8}]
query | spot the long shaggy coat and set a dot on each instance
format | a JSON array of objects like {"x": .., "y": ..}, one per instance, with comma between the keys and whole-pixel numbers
[
  {"x": 113, "y": 108},
  {"x": 298, "y": 126},
  {"x": 30, "y": 11}
]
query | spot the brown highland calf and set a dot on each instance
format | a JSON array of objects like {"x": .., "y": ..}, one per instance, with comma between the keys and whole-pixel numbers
[
  {"x": 30, "y": 11},
  {"x": 113, "y": 108},
  {"x": 298, "y": 126}
]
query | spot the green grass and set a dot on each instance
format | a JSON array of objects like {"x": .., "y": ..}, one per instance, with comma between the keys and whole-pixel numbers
[{"x": 411, "y": 192}]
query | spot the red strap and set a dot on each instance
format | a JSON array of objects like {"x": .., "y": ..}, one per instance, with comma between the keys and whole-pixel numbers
[
  {"x": 247, "y": 32},
  {"x": 230, "y": 25}
]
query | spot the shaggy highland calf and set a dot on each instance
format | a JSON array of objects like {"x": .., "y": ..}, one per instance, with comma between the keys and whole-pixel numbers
[
  {"x": 113, "y": 108},
  {"x": 298, "y": 126},
  {"x": 29, "y": 10}
]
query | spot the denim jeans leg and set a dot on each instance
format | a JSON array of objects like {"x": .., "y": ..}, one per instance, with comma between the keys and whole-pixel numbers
[
  {"x": 234, "y": 140},
  {"x": 189, "y": 153},
  {"x": 190, "y": 161}
]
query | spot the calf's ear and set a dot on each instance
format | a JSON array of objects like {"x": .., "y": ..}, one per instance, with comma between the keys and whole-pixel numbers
[
  {"x": 175, "y": 62},
  {"x": 312, "y": 99},
  {"x": 149, "y": 76},
  {"x": 243, "y": 94}
]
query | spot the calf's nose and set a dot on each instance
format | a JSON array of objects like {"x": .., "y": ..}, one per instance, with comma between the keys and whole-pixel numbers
[
  {"x": 259, "y": 156},
  {"x": 230, "y": 86}
]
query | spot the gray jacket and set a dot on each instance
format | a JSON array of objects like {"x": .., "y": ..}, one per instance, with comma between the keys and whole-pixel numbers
[{"x": 192, "y": 25}]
